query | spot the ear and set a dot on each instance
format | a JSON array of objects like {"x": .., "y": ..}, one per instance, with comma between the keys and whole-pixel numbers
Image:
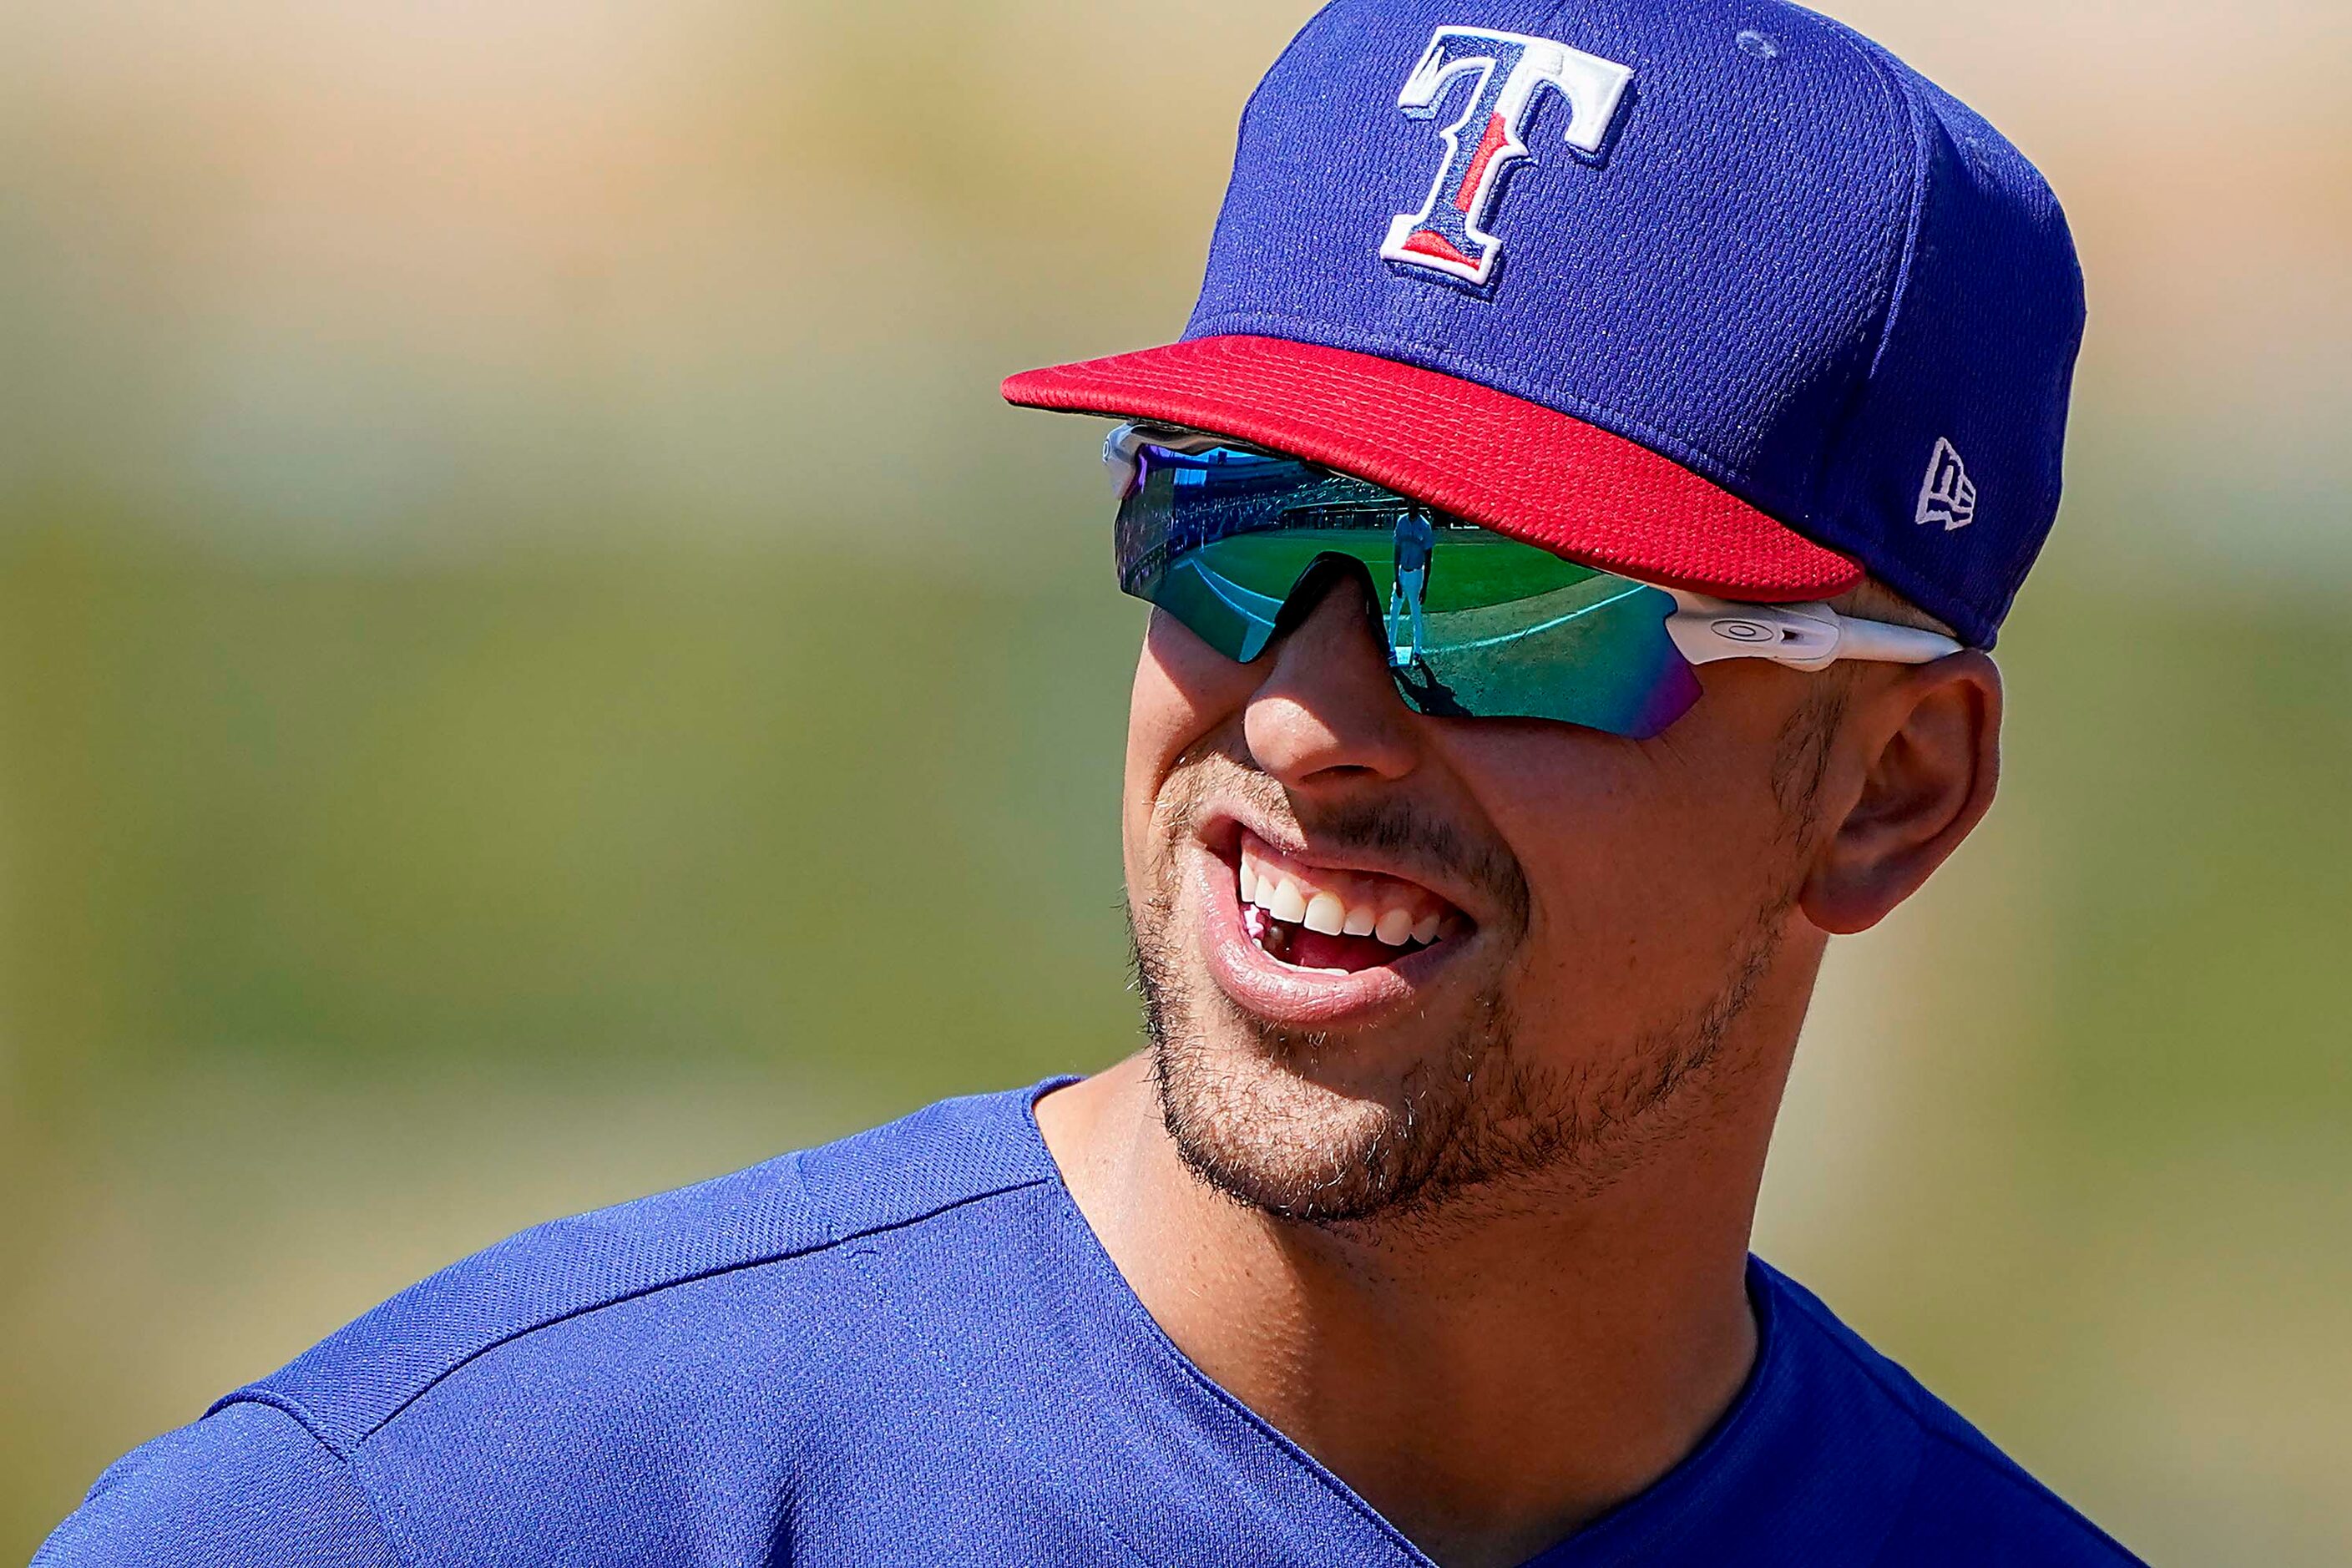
[{"x": 1922, "y": 746}]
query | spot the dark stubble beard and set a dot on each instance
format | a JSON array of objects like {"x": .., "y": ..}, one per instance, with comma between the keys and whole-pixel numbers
[{"x": 1472, "y": 1129}]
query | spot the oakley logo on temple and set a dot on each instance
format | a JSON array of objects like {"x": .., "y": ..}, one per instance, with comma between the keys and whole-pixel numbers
[
  {"x": 1947, "y": 495},
  {"x": 1510, "y": 72}
]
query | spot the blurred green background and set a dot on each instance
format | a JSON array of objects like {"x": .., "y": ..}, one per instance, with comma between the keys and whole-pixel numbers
[{"x": 534, "y": 667}]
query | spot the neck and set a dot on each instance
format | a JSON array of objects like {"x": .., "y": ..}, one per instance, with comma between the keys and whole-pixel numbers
[{"x": 1489, "y": 1385}]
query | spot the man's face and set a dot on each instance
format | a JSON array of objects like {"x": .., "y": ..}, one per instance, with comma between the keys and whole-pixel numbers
[{"x": 1595, "y": 913}]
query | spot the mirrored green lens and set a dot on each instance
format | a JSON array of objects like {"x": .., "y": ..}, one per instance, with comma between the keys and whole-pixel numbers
[
  {"x": 1594, "y": 653},
  {"x": 1231, "y": 592},
  {"x": 1476, "y": 624}
]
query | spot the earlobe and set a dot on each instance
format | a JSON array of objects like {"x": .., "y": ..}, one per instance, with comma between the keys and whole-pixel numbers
[{"x": 1923, "y": 758}]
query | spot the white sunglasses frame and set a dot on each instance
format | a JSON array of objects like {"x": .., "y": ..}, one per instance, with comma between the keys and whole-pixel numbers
[{"x": 1810, "y": 636}]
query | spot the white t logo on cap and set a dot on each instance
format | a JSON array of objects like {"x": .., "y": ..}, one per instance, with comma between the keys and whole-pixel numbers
[{"x": 1512, "y": 69}]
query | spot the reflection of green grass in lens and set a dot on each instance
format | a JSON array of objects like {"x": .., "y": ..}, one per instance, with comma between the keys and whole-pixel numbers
[
  {"x": 1595, "y": 653},
  {"x": 1468, "y": 570},
  {"x": 1488, "y": 569},
  {"x": 1568, "y": 626},
  {"x": 1271, "y": 564}
]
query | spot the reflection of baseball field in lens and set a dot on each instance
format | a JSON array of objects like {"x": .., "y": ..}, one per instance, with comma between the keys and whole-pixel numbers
[
  {"x": 1469, "y": 566},
  {"x": 1508, "y": 630}
]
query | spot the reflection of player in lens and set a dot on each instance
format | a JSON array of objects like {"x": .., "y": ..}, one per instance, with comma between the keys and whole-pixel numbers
[{"x": 1415, "y": 541}]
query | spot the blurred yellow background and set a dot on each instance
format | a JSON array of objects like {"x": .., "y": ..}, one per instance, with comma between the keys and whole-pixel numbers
[{"x": 534, "y": 667}]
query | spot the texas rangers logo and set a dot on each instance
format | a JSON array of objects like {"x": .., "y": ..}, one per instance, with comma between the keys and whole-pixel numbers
[{"x": 1511, "y": 70}]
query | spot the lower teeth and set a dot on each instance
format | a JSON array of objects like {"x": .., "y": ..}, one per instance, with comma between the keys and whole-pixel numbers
[{"x": 1277, "y": 936}]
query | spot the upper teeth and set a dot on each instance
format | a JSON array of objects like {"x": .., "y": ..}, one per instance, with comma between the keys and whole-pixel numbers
[{"x": 1337, "y": 904}]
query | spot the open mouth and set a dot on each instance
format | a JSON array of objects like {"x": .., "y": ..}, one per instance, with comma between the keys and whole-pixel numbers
[{"x": 1340, "y": 923}]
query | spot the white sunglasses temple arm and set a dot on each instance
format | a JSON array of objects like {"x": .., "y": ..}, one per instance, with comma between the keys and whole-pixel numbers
[
  {"x": 1122, "y": 448},
  {"x": 1121, "y": 457},
  {"x": 1805, "y": 637}
]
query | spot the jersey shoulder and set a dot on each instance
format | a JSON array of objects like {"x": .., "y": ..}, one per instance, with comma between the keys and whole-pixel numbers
[
  {"x": 247, "y": 1485},
  {"x": 941, "y": 1158},
  {"x": 1969, "y": 1502}
]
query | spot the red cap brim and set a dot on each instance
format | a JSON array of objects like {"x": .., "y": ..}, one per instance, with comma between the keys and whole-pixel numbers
[{"x": 1516, "y": 466}]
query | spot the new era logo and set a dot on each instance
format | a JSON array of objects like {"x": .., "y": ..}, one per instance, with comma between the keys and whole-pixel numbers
[{"x": 1948, "y": 494}]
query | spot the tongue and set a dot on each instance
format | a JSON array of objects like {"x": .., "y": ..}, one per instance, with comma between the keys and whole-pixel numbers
[{"x": 1313, "y": 950}]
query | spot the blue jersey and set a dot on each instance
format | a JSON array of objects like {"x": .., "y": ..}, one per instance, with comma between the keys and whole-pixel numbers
[{"x": 909, "y": 1348}]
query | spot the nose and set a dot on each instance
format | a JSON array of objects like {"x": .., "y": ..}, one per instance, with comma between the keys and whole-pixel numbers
[{"x": 1327, "y": 711}]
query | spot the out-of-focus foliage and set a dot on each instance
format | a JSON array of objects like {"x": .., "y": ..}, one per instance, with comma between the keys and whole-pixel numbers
[{"x": 533, "y": 667}]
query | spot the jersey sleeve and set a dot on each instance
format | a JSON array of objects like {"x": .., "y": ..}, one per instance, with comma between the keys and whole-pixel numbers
[{"x": 245, "y": 1487}]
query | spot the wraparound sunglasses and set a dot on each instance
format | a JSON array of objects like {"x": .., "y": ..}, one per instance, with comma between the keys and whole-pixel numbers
[{"x": 1477, "y": 625}]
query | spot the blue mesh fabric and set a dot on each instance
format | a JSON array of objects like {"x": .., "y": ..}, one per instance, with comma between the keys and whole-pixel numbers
[{"x": 908, "y": 1348}]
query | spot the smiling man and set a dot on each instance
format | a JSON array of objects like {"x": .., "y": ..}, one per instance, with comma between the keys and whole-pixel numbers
[{"x": 1576, "y": 520}]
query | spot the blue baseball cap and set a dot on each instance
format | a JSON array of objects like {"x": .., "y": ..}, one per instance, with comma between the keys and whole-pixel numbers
[{"x": 1717, "y": 294}]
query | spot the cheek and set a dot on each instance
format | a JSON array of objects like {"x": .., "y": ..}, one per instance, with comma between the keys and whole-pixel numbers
[
  {"x": 1185, "y": 692},
  {"x": 1645, "y": 863}
]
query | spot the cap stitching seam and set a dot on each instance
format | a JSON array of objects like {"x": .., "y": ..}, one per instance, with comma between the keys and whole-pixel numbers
[{"x": 1899, "y": 244}]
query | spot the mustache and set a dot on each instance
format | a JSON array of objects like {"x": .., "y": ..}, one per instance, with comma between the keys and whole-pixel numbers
[{"x": 1393, "y": 829}]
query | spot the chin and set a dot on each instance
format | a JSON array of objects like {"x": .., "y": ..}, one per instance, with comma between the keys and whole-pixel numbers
[
  {"x": 1278, "y": 1142},
  {"x": 1320, "y": 1127}
]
